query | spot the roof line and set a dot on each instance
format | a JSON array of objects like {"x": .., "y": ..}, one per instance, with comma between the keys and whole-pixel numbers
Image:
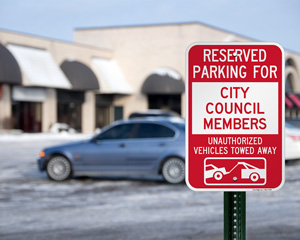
[
  {"x": 177, "y": 23},
  {"x": 162, "y": 24},
  {"x": 53, "y": 39}
]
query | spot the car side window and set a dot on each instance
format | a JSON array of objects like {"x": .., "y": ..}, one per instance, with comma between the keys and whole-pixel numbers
[
  {"x": 149, "y": 130},
  {"x": 123, "y": 131}
]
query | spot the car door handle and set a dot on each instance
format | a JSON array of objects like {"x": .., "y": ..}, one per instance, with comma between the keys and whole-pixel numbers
[
  {"x": 122, "y": 145},
  {"x": 162, "y": 144}
]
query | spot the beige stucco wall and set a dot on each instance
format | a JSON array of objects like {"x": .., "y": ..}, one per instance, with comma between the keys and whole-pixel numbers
[
  {"x": 60, "y": 52},
  {"x": 138, "y": 51},
  {"x": 141, "y": 50}
]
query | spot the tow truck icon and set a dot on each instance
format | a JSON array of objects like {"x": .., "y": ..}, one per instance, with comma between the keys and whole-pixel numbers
[{"x": 248, "y": 171}]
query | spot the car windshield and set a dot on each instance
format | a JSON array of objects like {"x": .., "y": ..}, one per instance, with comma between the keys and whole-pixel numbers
[{"x": 210, "y": 167}]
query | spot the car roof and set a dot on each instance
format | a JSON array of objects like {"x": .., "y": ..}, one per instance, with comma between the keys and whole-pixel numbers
[
  {"x": 160, "y": 120},
  {"x": 154, "y": 113},
  {"x": 153, "y": 120}
]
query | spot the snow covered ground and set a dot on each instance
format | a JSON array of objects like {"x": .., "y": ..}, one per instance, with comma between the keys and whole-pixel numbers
[{"x": 33, "y": 207}]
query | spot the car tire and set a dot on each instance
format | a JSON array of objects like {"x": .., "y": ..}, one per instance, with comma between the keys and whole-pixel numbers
[
  {"x": 59, "y": 168},
  {"x": 254, "y": 177},
  {"x": 173, "y": 170},
  {"x": 218, "y": 175}
]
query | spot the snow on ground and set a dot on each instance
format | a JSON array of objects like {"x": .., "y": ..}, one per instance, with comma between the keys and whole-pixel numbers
[
  {"x": 23, "y": 137},
  {"x": 33, "y": 207}
]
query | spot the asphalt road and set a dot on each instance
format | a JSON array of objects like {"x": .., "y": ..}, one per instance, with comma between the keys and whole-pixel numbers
[{"x": 33, "y": 207}]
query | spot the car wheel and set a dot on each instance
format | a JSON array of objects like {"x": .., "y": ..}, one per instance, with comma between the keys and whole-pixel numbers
[
  {"x": 254, "y": 177},
  {"x": 59, "y": 168},
  {"x": 173, "y": 170},
  {"x": 218, "y": 175}
]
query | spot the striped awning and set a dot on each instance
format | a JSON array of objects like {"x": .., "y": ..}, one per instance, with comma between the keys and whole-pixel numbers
[
  {"x": 292, "y": 100},
  {"x": 288, "y": 102}
]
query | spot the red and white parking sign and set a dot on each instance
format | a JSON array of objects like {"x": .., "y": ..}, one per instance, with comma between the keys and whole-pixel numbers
[{"x": 235, "y": 116}]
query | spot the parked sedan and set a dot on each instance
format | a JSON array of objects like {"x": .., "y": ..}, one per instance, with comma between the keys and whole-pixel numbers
[
  {"x": 134, "y": 147},
  {"x": 292, "y": 142}
]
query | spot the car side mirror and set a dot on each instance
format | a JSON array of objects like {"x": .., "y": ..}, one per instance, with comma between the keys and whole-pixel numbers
[{"x": 94, "y": 140}]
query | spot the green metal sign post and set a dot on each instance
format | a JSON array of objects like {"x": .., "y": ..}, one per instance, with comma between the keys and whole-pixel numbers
[{"x": 234, "y": 215}]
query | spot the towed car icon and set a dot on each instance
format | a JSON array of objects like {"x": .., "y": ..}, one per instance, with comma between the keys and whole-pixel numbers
[
  {"x": 215, "y": 171},
  {"x": 252, "y": 173}
]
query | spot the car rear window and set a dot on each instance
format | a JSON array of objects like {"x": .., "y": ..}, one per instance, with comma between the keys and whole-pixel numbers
[{"x": 180, "y": 126}]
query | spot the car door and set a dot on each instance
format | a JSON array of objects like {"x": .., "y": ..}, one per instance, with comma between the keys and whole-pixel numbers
[
  {"x": 150, "y": 142},
  {"x": 108, "y": 152}
]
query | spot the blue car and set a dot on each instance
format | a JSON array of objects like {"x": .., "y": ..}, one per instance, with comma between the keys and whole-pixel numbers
[{"x": 134, "y": 147}]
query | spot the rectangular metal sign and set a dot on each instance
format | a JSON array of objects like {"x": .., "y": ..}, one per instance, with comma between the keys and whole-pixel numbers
[{"x": 235, "y": 116}]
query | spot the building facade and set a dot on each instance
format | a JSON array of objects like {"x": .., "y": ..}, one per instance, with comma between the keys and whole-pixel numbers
[{"x": 106, "y": 74}]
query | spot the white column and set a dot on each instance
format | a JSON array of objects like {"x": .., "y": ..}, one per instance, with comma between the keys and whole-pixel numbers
[
  {"x": 183, "y": 105},
  {"x": 49, "y": 110},
  {"x": 5, "y": 108},
  {"x": 89, "y": 112}
]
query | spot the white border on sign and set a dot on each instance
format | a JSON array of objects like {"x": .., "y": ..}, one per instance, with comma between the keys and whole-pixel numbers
[{"x": 187, "y": 118}]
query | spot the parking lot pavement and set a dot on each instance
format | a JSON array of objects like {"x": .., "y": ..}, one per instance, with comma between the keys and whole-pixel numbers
[{"x": 33, "y": 207}]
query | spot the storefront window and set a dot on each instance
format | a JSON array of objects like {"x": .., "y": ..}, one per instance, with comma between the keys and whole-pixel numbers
[
  {"x": 27, "y": 116},
  {"x": 102, "y": 116},
  {"x": 104, "y": 109},
  {"x": 70, "y": 113},
  {"x": 118, "y": 113},
  {"x": 69, "y": 107}
]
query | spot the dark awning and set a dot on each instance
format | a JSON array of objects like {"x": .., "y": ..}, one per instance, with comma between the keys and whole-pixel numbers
[
  {"x": 163, "y": 82},
  {"x": 80, "y": 75},
  {"x": 103, "y": 100},
  {"x": 66, "y": 96},
  {"x": 9, "y": 68}
]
